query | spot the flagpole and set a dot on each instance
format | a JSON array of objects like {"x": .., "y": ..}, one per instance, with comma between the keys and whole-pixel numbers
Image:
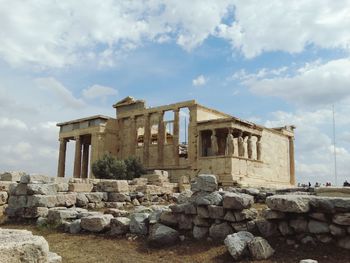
[{"x": 334, "y": 148}]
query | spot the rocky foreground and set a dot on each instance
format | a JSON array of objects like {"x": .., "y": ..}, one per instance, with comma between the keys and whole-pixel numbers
[{"x": 204, "y": 213}]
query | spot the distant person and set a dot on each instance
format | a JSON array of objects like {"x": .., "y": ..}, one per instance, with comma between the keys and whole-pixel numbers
[
  {"x": 346, "y": 183},
  {"x": 317, "y": 184},
  {"x": 309, "y": 184}
]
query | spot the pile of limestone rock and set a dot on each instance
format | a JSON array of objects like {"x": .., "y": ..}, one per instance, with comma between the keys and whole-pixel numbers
[
  {"x": 309, "y": 219},
  {"x": 22, "y": 246},
  {"x": 31, "y": 196}
]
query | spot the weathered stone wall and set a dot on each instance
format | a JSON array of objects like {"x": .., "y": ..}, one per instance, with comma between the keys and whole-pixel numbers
[
  {"x": 310, "y": 219},
  {"x": 22, "y": 246}
]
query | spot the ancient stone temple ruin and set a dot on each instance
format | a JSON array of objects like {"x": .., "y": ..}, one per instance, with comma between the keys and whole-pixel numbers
[{"x": 235, "y": 150}]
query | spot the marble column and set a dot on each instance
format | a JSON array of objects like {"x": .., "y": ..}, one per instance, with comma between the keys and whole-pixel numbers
[
  {"x": 291, "y": 161},
  {"x": 62, "y": 158},
  {"x": 85, "y": 165},
  {"x": 250, "y": 146},
  {"x": 161, "y": 138},
  {"x": 146, "y": 139},
  {"x": 77, "y": 157},
  {"x": 133, "y": 139},
  {"x": 176, "y": 136},
  {"x": 258, "y": 148}
]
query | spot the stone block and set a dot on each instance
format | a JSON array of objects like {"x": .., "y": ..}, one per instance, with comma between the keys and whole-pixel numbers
[
  {"x": 237, "y": 201},
  {"x": 116, "y": 212},
  {"x": 299, "y": 225},
  {"x": 260, "y": 249},
  {"x": 318, "y": 227},
  {"x": 161, "y": 235},
  {"x": 58, "y": 216},
  {"x": 3, "y": 198},
  {"x": 82, "y": 200},
  {"x": 205, "y": 182},
  {"x": 219, "y": 232},
  {"x": 272, "y": 214},
  {"x": 330, "y": 204},
  {"x": 168, "y": 218},
  {"x": 66, "y": 199},
  {"x": 36, "y": 179},
  {"x": 246, "y": 214},
  {"x": 19, "y": 189},
  {"x": 118, "y": 186},
  {"x": 120, "y": 225},
  {"x": 202, "y": 211},
  {"x": 11, "y": 176},
  {"x": 266, "y": 228},
  {"x": 96, "y": 223},
  {"x": 41, "y": 189},
  {"x": 62, "y": 187},
  {"x": 337, "y": 230},
  {"x": 289, "y": 203},
  {"x": 17, "y": 201},
  {"x": 118, "y": 197},
  {"x": 54, "y": 258},
  {"x": 239, "y": 226},
  {"x": 284, "y": 228},
  {"x": 184, "y": 222},
  {"x": 200, "y": 233},
  {"x": 139, "y": 223},
  {"x": 216, "y": 212},
  {"x": 342, "y": 219},
  {"x": 118, "y": 205},
  {"x": 318, "y": 216},
  {"x": 237, "y": 243},
  {"x": 22, "y": 246},
  {"x": 41, "y": 200},
  {"x": 200, "y": 221},
  {"x": 230, "y": 216},
  {"x": 139, "y": 181},
  {"x": 205, "y": 198},
  {"x": 35, "y": 212},
  {"x": 74, "y": 227},
  {"x": 80, "y": 187},
  {"x": 96, "y": 197}
]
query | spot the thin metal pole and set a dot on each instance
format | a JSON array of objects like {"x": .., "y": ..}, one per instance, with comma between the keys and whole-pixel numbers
[
  {"x": 185, "y": 130},
  {"x": 334, "y": 149}
]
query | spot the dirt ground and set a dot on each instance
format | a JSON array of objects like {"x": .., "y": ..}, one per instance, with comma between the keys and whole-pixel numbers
[{"x": 89, "y": 248}]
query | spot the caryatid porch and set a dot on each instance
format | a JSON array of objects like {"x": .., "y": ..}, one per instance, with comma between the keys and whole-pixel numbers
[{"x": 89, "y": 136}]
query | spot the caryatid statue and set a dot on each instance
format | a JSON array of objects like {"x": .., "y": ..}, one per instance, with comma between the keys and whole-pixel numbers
[
  {"x": 214, "y": 143},
  {"x": 240, "y": 145},
  {"x": 250, "y": 146},
  {"x": 258, "y": 149},
  {"x": 230, "y": 147}
]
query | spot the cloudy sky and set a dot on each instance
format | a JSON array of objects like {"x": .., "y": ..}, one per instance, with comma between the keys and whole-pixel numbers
[{"x": 271, "y": 62}]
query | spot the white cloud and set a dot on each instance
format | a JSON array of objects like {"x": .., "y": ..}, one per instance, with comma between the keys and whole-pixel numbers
[
  {"x": 7, "y": 123},
  {"x": 290, "y": 26},
  {"x": 312, "y": 84},
  {"x": 98, "y": 91},
  {"x": 60, "y": 91},
  {"x": 60, "y": 33},
  {"x": 314, "y": 143},
  {"x": 199, "y": 81}
]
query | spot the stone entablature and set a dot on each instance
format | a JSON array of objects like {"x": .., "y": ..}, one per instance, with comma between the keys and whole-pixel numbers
[{"x": 253, "y": 154}]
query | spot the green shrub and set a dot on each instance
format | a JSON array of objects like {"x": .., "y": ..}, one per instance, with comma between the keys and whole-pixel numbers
[
  {"x": 108, "y": 167},
  {"x": 134, "y": 168}
]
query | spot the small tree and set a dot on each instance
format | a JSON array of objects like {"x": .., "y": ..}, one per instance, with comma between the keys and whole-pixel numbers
[
  {"x": 108, "y": 167},
  {"x": 134, "y": 168}
]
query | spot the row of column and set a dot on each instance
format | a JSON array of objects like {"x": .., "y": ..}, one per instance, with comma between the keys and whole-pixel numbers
[
  {"x": 244, "y": 143},
  {"x": 81, "y": 158},
  {"x": 161, "y": 136}
]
